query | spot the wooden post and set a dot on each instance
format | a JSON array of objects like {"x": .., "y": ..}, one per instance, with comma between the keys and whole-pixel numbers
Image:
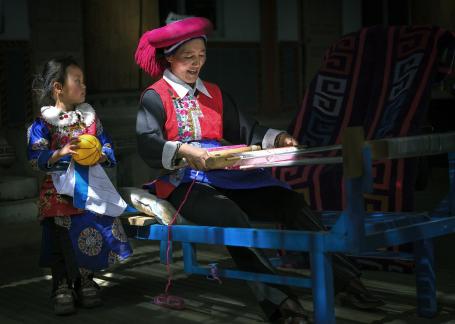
[
  {"x": 300, "y": 53},
  {"x": 270, "y": 79}
]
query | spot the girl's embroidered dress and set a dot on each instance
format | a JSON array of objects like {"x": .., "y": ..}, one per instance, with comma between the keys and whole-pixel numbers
[{"x": 97, "y": 240}]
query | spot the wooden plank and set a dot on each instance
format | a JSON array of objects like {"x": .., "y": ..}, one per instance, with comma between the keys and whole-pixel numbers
[
  {"x": 141, "y": 220},
  {"x": 353, "y": 141},
  {"x": 270, "y": 79}
]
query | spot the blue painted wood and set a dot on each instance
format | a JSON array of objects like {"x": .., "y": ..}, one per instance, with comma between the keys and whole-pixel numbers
[
  {"x": 247, "y": 237},
  {"x": 434, "y": 228},
  {"x": 425, "y": 279},
  {"x": 189, "y": 257},
  {"x": 191, "y": 267},
  {"x": 252, "y": 276},
  {"x": 350, "y": 226},
  {"x": 352, "y": 231},
  {"x": 451, "y": 157},
  {"x": 376, "y": 222},
  {"x": 321, "y": 273}
]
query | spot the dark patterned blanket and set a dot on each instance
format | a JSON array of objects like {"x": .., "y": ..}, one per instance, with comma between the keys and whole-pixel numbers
[{"x": 379, "y": 78}]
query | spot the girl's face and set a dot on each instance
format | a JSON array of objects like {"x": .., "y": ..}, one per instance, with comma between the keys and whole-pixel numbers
[
  {"x": 73, "y": 90},
  {"x": 187, "y": 61}
]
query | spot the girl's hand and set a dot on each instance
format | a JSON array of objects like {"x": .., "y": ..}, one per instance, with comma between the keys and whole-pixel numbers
[
  {"x": 103, "y": 158},
  {"x": 194, "y": 156},
  {"x": 284, "y": 139},
  {"x": 68, "y": 149}
]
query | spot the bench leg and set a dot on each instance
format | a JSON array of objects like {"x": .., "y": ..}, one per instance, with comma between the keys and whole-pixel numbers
[
  {"x": 189, "y": 257},
  {"x": 425, "y": 279},
  {"x": 322, "y": 282}
]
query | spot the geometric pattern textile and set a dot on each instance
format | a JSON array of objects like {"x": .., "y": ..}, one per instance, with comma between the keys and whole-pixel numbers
[{"x": 379, "y": 78}]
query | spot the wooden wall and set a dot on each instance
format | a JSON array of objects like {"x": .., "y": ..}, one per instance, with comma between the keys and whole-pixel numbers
[
  {"x": 111, "y": 32},
  {"x": 435, "y": 12},
  {"x": 322, "y": 25}
]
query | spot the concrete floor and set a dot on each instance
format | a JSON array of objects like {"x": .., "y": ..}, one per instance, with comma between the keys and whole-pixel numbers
[{"x": 128, "y": 289}]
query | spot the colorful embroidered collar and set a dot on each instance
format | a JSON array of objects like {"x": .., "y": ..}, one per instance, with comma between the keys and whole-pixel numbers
[
  {"x": 56, "y": 117},
  {"x": 181, "y": 87}
]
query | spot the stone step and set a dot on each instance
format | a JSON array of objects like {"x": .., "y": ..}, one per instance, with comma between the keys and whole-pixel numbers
[
  {"x": 17, "y": 188},
  {"x": 19, "y": 211}
]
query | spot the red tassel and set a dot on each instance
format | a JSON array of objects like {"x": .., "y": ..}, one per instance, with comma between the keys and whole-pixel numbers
[{"x": 145, "y": 57}]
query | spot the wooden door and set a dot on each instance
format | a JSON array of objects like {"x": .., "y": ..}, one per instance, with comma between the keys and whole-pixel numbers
[
  {"x": 322, "y": 25},
  {"x": 111, "y": 32}
]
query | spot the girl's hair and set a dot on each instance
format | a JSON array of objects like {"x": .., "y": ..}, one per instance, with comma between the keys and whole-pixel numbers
[{"x": 53, "y": 71}]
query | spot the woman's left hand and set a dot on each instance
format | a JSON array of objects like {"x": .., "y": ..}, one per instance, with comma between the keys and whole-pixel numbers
[{"x": 284, "y": 139}]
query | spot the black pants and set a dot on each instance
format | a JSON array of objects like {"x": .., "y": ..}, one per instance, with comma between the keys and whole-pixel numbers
[
  {"x": 57, "y": 253},
  {"x": 211, "y": 206}
]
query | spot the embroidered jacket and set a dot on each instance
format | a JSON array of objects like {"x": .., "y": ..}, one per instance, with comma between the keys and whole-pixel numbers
[
  {"x": 50, "y": 132},
  {"x": 191, "y": 118},
  {"x": 201, "y": 116}
]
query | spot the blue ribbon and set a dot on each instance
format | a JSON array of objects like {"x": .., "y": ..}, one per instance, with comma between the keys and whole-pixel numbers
[{"x": 81, "y": 185}]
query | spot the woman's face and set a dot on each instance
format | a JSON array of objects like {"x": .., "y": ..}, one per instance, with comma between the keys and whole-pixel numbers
[{"x": 187, "y": 61}]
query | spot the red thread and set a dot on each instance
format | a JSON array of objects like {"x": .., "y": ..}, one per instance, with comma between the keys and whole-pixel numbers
[
  {"x": 169, "y": 236},
  {"x": 166, "y": 300}
]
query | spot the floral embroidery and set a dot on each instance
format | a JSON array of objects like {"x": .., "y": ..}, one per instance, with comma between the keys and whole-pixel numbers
[
  {"x": 34, "y": 164},
  {"x": 90, "y": 241},
  {"x": 99, "y": 127},
  {"x": 188, "y": 113},
  {"x": 113, "y": 258},
  {"x": 118, "y": 232},
  {"x": 61, "y": 136},
  {"x": 85, "y": 273},
  {"x": 41, "y": 144},
  {"x": 44, "y": 204},
  {"x": 63, "y": 221},
  {"x": 63, "y": 199}
]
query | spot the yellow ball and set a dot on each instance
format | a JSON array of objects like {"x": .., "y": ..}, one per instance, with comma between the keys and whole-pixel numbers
[{"x": 89, "y": 151}]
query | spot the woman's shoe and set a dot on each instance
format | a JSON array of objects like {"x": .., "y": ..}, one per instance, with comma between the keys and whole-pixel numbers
[
  {"x": 359, "y": 301},
  {"x": 291, "y": 312},
  {"x": 358, "y": 296}
]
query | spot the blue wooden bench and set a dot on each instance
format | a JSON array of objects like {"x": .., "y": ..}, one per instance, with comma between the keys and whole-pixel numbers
[{"x": 352, "y": 231}]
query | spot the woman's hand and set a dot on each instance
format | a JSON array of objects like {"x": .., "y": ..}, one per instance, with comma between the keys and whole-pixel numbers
[
  {"x": 68, "y": 149},
  {"x": 194, "y": 156},
  {"x": 284, "y": 139}
]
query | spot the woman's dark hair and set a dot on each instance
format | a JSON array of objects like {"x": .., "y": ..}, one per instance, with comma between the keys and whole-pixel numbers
[{"x": 53, "y": 71}]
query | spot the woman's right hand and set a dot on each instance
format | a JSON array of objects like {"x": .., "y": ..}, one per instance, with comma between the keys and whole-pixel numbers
[{"x": 194, "y": 156}]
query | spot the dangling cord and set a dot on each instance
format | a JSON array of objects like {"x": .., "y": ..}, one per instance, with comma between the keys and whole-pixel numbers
[
  {"x": 165, "y": 299},
  {"x": 169, "y": 236}
]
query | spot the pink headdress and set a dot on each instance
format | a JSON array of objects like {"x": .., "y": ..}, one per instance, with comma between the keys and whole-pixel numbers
[{"x": 176, "y": 32}]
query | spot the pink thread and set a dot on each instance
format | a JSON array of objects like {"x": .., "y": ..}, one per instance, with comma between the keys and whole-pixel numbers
[
  {"x": 169, "y": 236},
  {"x": 169, "y": 301},
  {"x": 166, "y": 300}
]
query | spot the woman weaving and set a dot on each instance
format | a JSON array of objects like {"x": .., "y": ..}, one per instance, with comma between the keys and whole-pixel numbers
[{"x": 181, "y": 116}]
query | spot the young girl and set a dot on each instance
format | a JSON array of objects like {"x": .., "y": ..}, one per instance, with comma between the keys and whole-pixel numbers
[{"x": 76, "y": 242}]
